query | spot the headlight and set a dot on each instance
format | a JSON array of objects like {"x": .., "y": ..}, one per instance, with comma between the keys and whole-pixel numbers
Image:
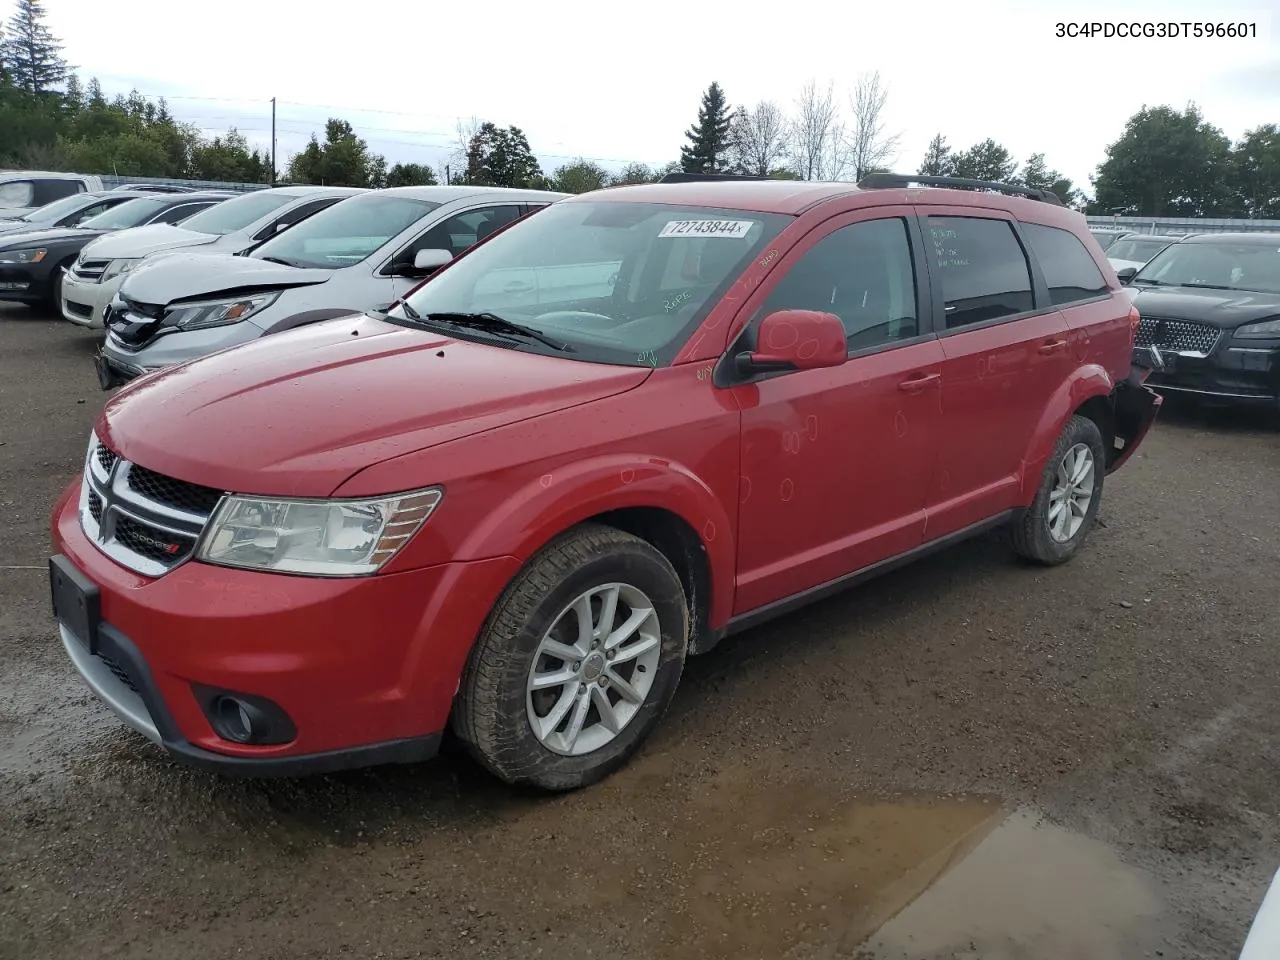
[
  {"x": 324, "y": 538},
  {"x": 1267, "y": 330},
  {"x": 218, "y": 313},
  {"x": 22, "y": 256},
  {"x": 118, "y": 268}
]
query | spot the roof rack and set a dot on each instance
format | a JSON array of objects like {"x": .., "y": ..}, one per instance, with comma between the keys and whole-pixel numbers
[
  {"x": 707, "y": 177},
  {"x": 876, "y": 181}
]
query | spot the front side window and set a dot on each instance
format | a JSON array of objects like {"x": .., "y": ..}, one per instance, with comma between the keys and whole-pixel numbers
[
  {"x": 617, "y": 282},
  {"x": 984, "y": 271},
  {"x": 237, "y": 213},
  {"x": 466, "y": 229},
  {"x": 1219, "y": 265},
  {"x": 1136, "y": 249},
  {"x": 863, "y": 274},
  {"x": 180, "y": 212},
  {"x": 346, "y": 233},
  {"x": 1069, "y": 271},
  {"x": 131, "y": 213}
]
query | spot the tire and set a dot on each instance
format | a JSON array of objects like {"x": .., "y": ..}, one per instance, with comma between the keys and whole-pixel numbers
[
  {"x": 1031, "y": 532},
  {"x": 495, "y": 711},
  {"x": 55, "y": 294}
]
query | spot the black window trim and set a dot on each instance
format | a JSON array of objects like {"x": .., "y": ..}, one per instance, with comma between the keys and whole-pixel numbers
[
  {"x": 1040, "y": 300},
  {"x": 725, "y": 374}
]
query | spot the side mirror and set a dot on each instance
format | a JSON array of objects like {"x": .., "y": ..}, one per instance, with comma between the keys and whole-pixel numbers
[
  {"x": 281, "y": 227},
  {"x": 427, "y": 260},
  {"x": 796, "y": 340},
  {"x": 1126, "y": 274}
]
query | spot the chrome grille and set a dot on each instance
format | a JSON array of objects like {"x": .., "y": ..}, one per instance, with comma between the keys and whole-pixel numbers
[
  {"x": 90, "y": 271},
  {"x": 1177, "y": 335},
  {"x": 143, "y": 520}
]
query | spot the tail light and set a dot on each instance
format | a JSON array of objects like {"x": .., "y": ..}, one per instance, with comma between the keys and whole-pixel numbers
[{"x": 1135, "y": 319}]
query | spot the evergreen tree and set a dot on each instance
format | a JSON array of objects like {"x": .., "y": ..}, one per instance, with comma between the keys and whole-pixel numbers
[
  {"x": 938, "y": 160},
  {"x": 31, "y": 56},
  {"x": 986, "y": 161},
  {"x": 709, "y": 139}
]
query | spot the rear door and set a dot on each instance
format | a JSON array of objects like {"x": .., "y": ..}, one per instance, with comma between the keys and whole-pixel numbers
[{"x": 1007, "y": 350}]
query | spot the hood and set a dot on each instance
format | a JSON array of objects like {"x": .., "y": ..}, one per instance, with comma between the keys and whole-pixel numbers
[
  {"x": 14, "y": 225},
  {"x": 1225, "y": 309},
  {"x": 297, "y": 413},
  {"x": 182, "y": 276},
  {"x": 140, "y": 241},
  {"x": 37, "y": 236}
]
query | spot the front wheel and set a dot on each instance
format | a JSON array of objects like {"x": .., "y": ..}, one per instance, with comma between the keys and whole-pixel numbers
[
  {"x": 1065, "y": 509},
  {"x": 577, "y": 662}
]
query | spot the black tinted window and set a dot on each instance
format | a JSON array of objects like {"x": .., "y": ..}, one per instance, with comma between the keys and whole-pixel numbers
[
  {"x": 181, "y": 212},
  {"x": 1068, "y": 269},
  {"x": 48, "y": 191},
  {"x": 983, "y": 269},
  {"x": 863, "y": 274},
  {"x": 464, "y": 229}
]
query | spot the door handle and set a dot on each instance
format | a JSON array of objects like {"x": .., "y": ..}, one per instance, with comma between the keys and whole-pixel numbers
[
  {"x": 918, "y": 383},
  {"x": 1052, "y": 346},
  {"x": 517, "y": 287}
]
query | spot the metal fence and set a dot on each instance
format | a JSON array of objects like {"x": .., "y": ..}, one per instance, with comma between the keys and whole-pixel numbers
[
  {"x": 110, "y": 181},
  {"x": 1181, "y": 225}
]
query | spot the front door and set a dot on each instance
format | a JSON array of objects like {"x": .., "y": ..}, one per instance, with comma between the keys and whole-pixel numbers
[{"x": 836, "y": 463}]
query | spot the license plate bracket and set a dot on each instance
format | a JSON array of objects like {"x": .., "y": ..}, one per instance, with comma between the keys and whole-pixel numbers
[{"x": 76, "y": 602}]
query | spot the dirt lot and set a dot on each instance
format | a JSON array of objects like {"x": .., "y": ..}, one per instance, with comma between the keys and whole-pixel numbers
[{"x": 969, "y": 758}]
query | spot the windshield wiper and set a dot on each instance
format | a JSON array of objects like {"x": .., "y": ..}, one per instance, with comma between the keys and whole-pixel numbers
[
  {"x": 1208, "y": 286},
  {"x": 283, "y": 263},
  {"x": 491, "y": 322}
]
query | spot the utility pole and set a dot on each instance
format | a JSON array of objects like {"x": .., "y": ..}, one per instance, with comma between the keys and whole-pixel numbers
[
  {"x": 273, "y": 141},
  {"x": 448, "y": 179}
]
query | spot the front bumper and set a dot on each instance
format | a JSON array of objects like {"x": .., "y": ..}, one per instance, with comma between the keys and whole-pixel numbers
[
  {"x": 121, "y": 363},
  {"x": 84, "y": 303},
  {"x": 362, "y": 670},
  {"x": 1234, "y": 372},
  {"x": 24, "y": 283}
]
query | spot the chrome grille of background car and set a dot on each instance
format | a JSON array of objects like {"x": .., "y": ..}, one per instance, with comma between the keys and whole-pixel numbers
[
  {"x": 143, "y": 520},
  {"x": 90, "y": 271},
  {"x": 1183, "y": 335}
]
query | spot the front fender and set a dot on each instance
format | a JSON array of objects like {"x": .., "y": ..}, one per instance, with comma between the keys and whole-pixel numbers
[
  {"x": 531, "y": 517},
  {"x": 1085, "y": 383}
]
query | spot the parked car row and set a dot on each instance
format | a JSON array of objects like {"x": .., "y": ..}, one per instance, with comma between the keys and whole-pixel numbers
[{"x": 509, "y": 498}]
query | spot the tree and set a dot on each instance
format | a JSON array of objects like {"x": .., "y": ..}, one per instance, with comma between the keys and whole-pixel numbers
[
  {"x": 708, "y": 148},
  {"x": 230, "y": 158},
  {"x": 1256, "y": 172},
  {"x": 1036, "y": 174},
  {"x": 32, "y": 58},
  {"x": 581, "y": 176},
  {"x": 633, "y": 173},
  {"x": 938, "y": 159},
  {"x": 1167, "y": 163},
  {"x": 986, "y": 161},
  {"x": 870, "y": 146},
  {"x": 758, "y": 138},
  {"x": 817, "y": 135},
  {"x": 343, "y": 160},
  {"x": 411, "y": 175},
  {"x": 501, "y": 158}
]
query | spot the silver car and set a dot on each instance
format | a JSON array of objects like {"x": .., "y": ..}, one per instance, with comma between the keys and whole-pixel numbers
[
  {"x": 363, "y": 253},
  {"x": 235, "y": 225}
]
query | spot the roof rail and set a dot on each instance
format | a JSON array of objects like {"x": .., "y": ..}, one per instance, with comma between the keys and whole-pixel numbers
[
  {"x": 707, "y": 177},
  {"x": 874, "y": 181}
]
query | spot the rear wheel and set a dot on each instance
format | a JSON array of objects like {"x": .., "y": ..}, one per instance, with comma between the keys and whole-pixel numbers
[
  {"x": 1065, "y": 509},
  {"x": 577, "y": 663}
]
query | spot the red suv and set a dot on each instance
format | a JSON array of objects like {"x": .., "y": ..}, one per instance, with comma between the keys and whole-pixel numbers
[{"x": 596, "y": 443}]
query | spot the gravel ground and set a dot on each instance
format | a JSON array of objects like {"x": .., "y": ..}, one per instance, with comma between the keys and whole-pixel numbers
[{"x": 1110, "y": 723}]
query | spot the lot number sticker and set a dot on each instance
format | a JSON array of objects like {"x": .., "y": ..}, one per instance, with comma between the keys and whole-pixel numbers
[{"x": 707, "y": 228}]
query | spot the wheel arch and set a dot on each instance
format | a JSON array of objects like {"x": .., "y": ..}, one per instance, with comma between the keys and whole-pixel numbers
[{"x": 1087, "y": 393}]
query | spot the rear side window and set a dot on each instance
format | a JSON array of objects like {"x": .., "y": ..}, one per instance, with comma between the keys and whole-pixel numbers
[
  {"x": 985, "y": 275},
  {"x": 48, "y": 191},
  {"x": 1068, "y": 269}
]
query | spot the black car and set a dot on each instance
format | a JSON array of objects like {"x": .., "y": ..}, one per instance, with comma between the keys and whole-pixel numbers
[
  {"x": 1211, "y": 305},
  {"x": 68, "y": 212},
  {"x": 32, "y": 263}
]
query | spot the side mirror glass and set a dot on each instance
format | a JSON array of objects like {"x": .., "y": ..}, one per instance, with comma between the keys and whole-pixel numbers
[
  {"x": 428, "y": 260},
  {"x": 796, "y": 340},
  {"x": 1126, "y": 274}
]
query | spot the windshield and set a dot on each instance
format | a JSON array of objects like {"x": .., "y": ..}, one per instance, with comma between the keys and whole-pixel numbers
[
  {"x": 344, "y": 234},
  {"x": 619, "y": 282},
  {"x": 1136, "y": 249},
  {"x": 53, "y": 212},
  {"x": 131, "y": 213},
  {"x": 1230, "y": 266},
  {"x": 237, "y": 213}
]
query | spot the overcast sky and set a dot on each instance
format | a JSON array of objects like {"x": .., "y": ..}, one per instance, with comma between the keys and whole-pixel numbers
[{"x": 622, "y": 82}]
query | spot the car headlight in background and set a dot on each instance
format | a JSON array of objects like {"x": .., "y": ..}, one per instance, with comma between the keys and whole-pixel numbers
[
  {"x": 218, "y": 313},
  {"x": 324, "y": 538},
  {"x": 22, "y": 256},
  {"x": 118, "y": 268},
  {"x": 1267, "y": 330}
]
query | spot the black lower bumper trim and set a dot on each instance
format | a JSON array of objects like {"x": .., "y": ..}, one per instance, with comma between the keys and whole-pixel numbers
[{"x": 410, "y": 750}]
